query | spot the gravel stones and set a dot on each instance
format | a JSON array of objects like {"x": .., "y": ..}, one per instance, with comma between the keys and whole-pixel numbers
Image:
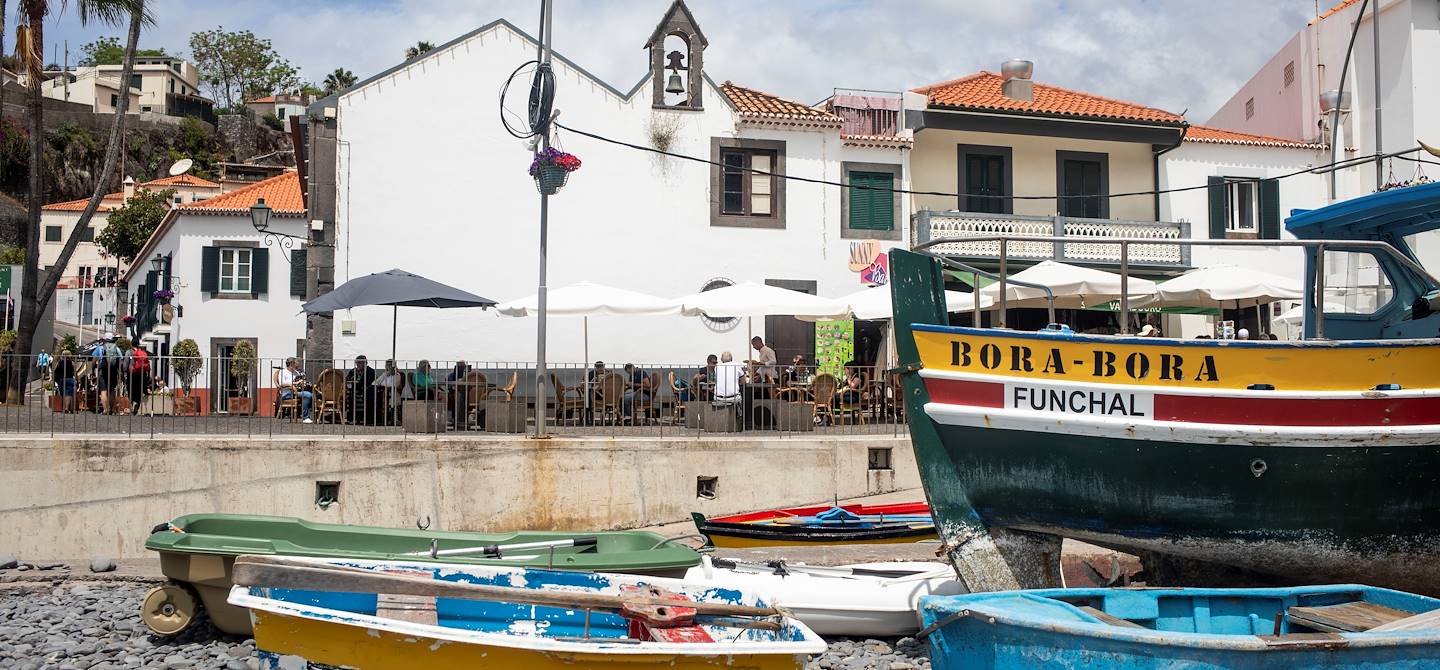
[
  {"x": 102, "y": 564},
  {"x": 906, "y": 653}
]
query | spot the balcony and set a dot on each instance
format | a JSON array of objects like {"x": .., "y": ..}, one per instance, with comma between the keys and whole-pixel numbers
[{"x": 1085, "y": 250}]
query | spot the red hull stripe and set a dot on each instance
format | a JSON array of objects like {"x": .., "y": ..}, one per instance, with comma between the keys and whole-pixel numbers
[{"x": 1417, "y": 411}]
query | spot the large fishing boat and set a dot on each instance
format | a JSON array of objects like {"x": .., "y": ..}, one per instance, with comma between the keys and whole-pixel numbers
[{"x": 1305, "y": 461}]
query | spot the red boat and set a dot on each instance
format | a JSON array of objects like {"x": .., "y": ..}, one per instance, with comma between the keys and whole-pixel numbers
[{"x": 820, "y": 524}]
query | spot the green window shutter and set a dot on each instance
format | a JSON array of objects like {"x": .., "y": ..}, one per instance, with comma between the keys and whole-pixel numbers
[
  {"x": 1270, "y": 209},
  {"x": 1217, "y": 192},
  {"x": 52, "y": 234},
  {"x": 872, "y": 209},
  {"x": 297, "y": 273},
  {"x": 259, "y": 271},
  {"x": 210, "y": 270}
]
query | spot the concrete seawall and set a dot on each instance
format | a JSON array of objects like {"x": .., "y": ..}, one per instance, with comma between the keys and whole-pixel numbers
[{"x": 77, "y": 496}]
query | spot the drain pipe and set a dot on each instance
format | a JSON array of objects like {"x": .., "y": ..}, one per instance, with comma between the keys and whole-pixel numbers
[{"x": 1185, "y": 128}]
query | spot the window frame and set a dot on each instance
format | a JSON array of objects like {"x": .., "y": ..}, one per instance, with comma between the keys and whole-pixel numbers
[
  {"x": 962, "y": 163},
  {"x": 747, "y": 179},
  {"x": 1232, "y": 200},
  {"x": 896, "y": 230},
  {"x": 719, "y": 147},
  {"x": 248, "y": 277},
  {"x": 1103, "y": 160},
  {"x": 59, "y": 233},
  {"x": 88, "y": 235}
]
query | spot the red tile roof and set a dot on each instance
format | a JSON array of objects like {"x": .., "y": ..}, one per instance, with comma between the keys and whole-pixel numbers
[
  {"x": 876, "y": 141},
  {"x": 1330, "y": 12},
  {"x": 268, "y": 98},
  {"x": 982, "y": 91},
  {"x": 1221, "y": 136},
  {"x": 281, "y": 193},
  {"x": 768, "y": 108},
  {"x": 182, "y": 180},
  {"x": 109, "y": 202}
]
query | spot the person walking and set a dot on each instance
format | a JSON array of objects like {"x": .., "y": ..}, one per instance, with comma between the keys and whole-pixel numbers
[
  {"x": 139, "y": 377},
  {"x": 107, "y": 358}
]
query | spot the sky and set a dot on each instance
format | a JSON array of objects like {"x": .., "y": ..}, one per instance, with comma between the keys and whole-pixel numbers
[{"x": 1173, "y": 54}]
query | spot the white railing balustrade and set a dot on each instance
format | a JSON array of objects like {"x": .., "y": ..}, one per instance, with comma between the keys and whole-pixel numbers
[{"x": 931, "y": 225}]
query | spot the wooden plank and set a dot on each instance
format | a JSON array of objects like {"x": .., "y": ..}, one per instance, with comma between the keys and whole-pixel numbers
[
  {"x": 281, "y": 572},
  {"x": 1354, "y": 617},
  {"x": 415, "y": 609},
  {"x": 1423, "y": 621},
  {"x": 1107, "y": 618},
  {"x": 1305, "y": 640}
]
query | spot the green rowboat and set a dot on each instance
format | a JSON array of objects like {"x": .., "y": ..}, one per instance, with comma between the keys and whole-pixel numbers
[{"x": 198, "y": 550}]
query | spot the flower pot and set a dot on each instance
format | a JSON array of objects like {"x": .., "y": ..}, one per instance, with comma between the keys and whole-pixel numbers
[
  {"x": 549, "y": 178},
  {"x": 57, "y": 403},
  {"x": 240, "y": 405},
  {"x": 187, "y": 405},
  {"x": 121, "y": 404}
]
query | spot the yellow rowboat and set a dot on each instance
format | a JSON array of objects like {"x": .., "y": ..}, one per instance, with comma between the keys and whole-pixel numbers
[{"x": 390, "y": 615}]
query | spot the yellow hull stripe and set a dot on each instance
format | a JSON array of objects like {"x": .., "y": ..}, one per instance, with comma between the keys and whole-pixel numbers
[
  {"x": 362, "y": 648},
  {"x": 1165, "y": 363}
]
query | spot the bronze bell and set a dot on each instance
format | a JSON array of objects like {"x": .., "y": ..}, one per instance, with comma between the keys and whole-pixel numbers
[{"x": 674, "y": 84}]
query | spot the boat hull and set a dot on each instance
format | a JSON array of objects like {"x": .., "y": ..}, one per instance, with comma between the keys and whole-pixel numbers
[
  {"x": 290, "y": 641},
  {"x": 1314, "y": 515}
]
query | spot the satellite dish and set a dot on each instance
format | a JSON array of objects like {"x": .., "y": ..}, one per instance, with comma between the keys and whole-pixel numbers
[{"x": 181, "y": 167}]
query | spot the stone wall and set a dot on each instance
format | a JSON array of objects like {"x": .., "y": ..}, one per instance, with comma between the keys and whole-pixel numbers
[
  {"x": 75, "y": 497},
  {"x": 247, "y": 139}
]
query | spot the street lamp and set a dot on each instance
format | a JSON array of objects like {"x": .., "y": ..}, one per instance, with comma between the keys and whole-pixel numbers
[
  {"x": 157, "y": 264},
  {"x": 260, "y": 218},
  {"x": 109, "y": 320}
]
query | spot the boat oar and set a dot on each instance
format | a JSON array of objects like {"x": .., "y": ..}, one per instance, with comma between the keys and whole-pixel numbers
[
  {"x": 781, "y": 568},
  {"x": 281, "y": 572},
  {"x": 499, "y": 550}
]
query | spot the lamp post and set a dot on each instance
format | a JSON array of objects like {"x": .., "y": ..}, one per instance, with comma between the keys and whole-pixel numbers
[{"x": 260, "y": 214}]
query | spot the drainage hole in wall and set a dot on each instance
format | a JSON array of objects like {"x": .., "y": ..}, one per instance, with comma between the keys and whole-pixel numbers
[
  {"x": 327, "y": 494},
  {"x": 706, "y": 487},
  {"x": 880, "y": 458}
]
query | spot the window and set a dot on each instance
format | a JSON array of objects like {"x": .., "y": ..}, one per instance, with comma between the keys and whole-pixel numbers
[
  {"x": 88, "y": 235},
  {"x": 145, "y": 108},
  {"x": 1241, "y": 206},
  {"x": 1355, "y": 283},
  {"x": 234, "y": 270},
  {"x": 870, "y": 205},
  {"x": 280, "y": 113},
  {"x": 985, "y": 179},
  {"x": 1084, "y": 184},
  {"x": 136, "y": 81},
  {"x": 175, "y": 67},
  {"x": 1249, "y": 108},
  {"x": 1289, "y": 73},
  {"x": 114, "y": 100},
  {"x": 179, "y": 199},
  {"x": 172, "y": 85},
  {"x": 52, "y": 233},
  {"x": 745, "y": 191}
]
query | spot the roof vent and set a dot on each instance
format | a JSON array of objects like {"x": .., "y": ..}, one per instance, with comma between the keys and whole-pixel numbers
[{"x": 1017, "y": 84}]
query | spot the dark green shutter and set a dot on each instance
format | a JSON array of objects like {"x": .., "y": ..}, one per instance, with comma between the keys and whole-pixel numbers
[
  {"x": 1216, "y": 190},
  {"x": 297, "y": 273},
  {"x": 210, "y": 270},
  {"x": 1269, "y": 209},
  {"x": 259, "y": 271},
  {"x": 871, "y": 208}
]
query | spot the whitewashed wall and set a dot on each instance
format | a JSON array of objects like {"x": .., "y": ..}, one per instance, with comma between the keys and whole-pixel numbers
[{"x": 428, "y": 181}]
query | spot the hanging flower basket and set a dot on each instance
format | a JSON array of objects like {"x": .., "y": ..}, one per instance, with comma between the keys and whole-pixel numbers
[
  {"x": 551, "y": 168},
  {"x": 163, "y": 296}
]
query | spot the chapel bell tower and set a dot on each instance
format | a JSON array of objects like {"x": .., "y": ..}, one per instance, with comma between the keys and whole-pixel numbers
[{"x": 677, "y": 49}]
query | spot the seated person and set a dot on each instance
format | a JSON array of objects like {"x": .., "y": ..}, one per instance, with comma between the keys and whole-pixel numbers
[
  {"x": 850, "y": 388},
  {"x": 703, "y": 381},
  {"x": 422, "y": 382},
  {"x": 392, "y": 391},
  {"x": 291, "y": 384},
  {"x": 729, "y": 375},
  {"x": 795, "y": 372},
  {"x": 360, "y": 396},
  {"x": 637, "y": 384}
]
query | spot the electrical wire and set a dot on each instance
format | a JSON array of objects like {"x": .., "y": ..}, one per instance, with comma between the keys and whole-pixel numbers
[
  {"x": 540, "y": 104},
  {"x": 1337, "y": 165}
]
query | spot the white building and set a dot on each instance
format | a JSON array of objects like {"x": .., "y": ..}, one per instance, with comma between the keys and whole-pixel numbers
[
  {"x": 89, "y": 86},
  {"x": 450, "y": 198},
  {"x": 155, "y": 85},
  {"x": 229, "y": 284},
  {"x": 1282, "y": 98},
  {"x": 282, "y": 106}
]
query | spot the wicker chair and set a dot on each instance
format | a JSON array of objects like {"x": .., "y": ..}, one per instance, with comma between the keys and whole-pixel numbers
[
  {"x": 471, "y": 397},
  {"x": 847, "y": 405},
  {"x": 568, "y": 400},
  {"x": 822, "y": 389},
  {"x": 610, "y": 389},
  {"x": 509, "y": 389},
  {"x": 645, "y": 404},
  {"x": 330, "y": 395},
  {"x": 677, "y": 406},
  {"x": 282, "y": 404}
]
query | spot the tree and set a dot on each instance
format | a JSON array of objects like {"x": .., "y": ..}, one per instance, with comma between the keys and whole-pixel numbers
[
  {"x": 132, "y": 223},
  {"x": 186, "y": 361},
  {"x": 337, "y": 81},
  {"x": 30, "y": 41},
  {"x": 109, "y": 51},
  {"x": 238, "y": 66},
  {"x": 420, "y": 48},
  {"x": 310, "y": 89}
]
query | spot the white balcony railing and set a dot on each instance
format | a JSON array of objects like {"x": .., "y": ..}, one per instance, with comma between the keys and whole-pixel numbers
[{"x": 1087, "y": 233}]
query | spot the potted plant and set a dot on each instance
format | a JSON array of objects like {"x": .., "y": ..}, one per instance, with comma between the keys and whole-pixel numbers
[
  {"x": 163, "y": 297},
  {"x": 186, "y": 361},
  {"x": 242, "y": 364},
  {"x": 551, "y": 167}
]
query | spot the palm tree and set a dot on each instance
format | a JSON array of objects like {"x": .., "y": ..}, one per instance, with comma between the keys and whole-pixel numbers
[
  {"x": 419, "y": 48},
  {"x": 30, "y": 44},
  {"x": 336, "y": 81}
]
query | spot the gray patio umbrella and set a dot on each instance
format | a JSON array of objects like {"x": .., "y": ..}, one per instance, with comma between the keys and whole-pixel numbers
[{"x": 396, "y": 288}]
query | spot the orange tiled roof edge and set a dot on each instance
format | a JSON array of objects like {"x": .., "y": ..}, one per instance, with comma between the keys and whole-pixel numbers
[
  {"x": 762, "y": 107},
  {"x": 982, "y": 90},
  {"x": 1221, "y": 136},
  {"x": 281, "y": 193}
]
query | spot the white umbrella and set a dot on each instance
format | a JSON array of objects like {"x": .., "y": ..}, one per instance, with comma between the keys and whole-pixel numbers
[
  {"x": 752, "y": 299},
  {"x": 1075, "y": 287},
  {"x": 875, "y": 303},
  {"x": 1224, "y": 285},
  {"x": 1296, "y": 315},
  {"x": 587, "y": 299}
]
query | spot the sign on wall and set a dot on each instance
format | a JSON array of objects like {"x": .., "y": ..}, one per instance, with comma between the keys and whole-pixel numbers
[
  {"x": 834, "y": 346},
  {"x": 873, "y": 264}
]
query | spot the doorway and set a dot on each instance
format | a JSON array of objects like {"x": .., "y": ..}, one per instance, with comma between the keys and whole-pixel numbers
[
  {"x": 787, "y": 335},
  {"x": 224, "y": 385}
]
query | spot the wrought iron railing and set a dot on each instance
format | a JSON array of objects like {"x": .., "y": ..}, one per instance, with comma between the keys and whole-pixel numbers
[{"x": 1082, "y": 243}]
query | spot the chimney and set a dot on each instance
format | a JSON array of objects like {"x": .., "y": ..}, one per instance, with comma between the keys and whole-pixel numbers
[
  {"x": 129, "y": 188},
  {"x": 1017, "y": 85}
]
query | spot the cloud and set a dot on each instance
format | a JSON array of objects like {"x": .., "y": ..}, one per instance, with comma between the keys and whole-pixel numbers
[{"x": 1174, "y": 55}]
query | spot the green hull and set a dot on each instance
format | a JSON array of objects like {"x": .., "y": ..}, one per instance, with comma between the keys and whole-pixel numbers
[{"x": 234, "y": 534}]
